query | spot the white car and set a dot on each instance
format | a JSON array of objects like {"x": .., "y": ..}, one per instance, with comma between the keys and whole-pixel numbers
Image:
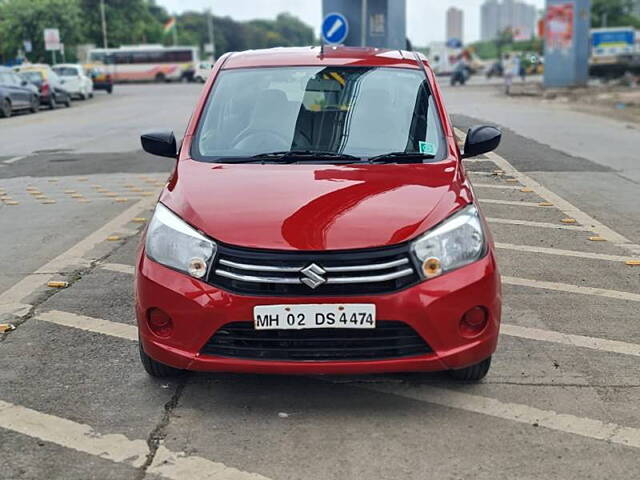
[
  {"x": 75, "y": 80},
  {"x": 203, "y": 69}
]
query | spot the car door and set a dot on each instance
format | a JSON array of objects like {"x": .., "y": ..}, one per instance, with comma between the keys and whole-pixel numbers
[
  {"x": 21, "y": 90},
  {"x": 12, "y": 88}
]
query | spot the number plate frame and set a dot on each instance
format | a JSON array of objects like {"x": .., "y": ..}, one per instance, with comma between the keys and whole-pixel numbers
[{"x": 314, "y": 316}]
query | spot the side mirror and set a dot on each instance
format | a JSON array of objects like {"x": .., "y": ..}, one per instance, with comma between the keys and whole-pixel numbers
[
  {"x": 62, "y": 81},
  {"x": 161, "y": 143},
  {"x": 24, "y": 83},
  {"x": 481, "y": 139}
]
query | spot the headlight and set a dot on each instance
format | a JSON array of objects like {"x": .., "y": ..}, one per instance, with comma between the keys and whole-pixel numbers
[
  {"x": 173, "y": 243},
  {"x": 456, "y": 242}
]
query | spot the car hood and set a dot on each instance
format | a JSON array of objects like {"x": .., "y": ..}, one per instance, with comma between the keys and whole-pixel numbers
[{"x": 314, "y": 207}]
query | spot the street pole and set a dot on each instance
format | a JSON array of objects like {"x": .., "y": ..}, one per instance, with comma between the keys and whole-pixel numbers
[
  {"x": 363, "y": 24},
  {"x": 104, "y": 24},
  {"x": 211, "y": 39}
]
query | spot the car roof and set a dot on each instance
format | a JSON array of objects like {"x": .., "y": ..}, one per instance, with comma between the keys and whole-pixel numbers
[
  {"x": 34, "y": 67},
  {"x": 327, "y": 55}
]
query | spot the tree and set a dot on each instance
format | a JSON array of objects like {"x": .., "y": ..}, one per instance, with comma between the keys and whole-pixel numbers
[
  {"x": 613, "y": 13},
  {"x": 128, "y": 22},
  {"x": 22, "y": 20}
]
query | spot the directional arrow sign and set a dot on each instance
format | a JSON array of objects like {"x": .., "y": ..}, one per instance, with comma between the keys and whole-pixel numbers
[{"x": 335, "y": 28}]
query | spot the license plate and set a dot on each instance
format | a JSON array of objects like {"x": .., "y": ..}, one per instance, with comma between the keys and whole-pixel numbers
[{"x": 300, "y": 317}]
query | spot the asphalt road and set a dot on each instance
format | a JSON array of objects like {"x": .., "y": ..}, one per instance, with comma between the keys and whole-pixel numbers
[{"x": 562, "y": 400}]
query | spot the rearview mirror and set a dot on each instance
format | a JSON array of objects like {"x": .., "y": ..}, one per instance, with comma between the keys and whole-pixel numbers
[
  {"x": 481, "y": 139},
  {"x": 161, "y": 143}
]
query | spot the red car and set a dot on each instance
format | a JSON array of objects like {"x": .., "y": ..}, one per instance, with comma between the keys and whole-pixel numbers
[{"x": 319, "y": 221}]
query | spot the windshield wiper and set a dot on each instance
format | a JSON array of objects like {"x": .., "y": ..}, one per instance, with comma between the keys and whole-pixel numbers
[
  {"x": 400, "y": 155},
  {"x": 296, "y": 155}
]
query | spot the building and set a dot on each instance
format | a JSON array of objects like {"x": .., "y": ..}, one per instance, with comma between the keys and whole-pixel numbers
[
  {"x": 515, "y": 15},
  {"x": 455, "y": 24},
  {"x": 489, "y": 19}
]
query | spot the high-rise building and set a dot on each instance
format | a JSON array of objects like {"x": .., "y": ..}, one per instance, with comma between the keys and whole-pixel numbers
[
  {"x": 489, "y": 19},
  {"x": 455, "y": 24},
  {"x": 515, "y": 15}
]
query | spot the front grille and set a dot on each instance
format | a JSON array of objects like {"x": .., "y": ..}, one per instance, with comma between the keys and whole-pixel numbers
[
  {"x": 352, "y": 272},
  {"x": 387, "y": 340}
]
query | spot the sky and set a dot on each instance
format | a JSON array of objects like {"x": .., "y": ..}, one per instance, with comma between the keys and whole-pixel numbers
[{"x": 425, "y": 18}]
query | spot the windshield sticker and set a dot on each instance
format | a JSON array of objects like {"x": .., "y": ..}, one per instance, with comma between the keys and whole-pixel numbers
[{"x": 427, "y": 147}]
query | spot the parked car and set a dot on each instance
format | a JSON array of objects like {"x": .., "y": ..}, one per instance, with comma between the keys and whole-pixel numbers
[
  {"x": 319, "y": 221},
  {"x": 75, "y": 80},
  {"x": 50, "y": 86},
  {"x": 202, "y": 71},
  {"x": 100, "y": 77},
  {"x": 16, "y": 94}
]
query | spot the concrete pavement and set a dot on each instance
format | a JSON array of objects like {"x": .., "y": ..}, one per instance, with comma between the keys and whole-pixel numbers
[{"x": 561, "y": 400}]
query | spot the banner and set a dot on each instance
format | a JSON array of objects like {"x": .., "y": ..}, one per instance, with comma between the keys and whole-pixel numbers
[{"x": 559, "y": 26}]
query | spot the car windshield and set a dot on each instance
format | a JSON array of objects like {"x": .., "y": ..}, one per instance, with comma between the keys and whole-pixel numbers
[
  {"x": 66, "y": 71},
  {"x": 363, "y": 112},
  {"x": 35, "y": 77}
]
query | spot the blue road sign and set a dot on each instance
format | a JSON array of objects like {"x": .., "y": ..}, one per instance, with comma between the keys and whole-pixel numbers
[{"x": 335, "y": 28}]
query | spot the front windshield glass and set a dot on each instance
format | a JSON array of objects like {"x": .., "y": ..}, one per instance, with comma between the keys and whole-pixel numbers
[
  {"x": 359, "y": 111},
  {"x": 66, "y": 71}
]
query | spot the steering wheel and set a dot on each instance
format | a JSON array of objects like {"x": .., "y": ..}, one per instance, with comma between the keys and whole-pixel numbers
[{"x": 248, "y": 134}]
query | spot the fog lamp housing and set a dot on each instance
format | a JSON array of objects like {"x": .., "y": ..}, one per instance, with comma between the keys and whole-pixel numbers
[{"x": 159, "y": 322}]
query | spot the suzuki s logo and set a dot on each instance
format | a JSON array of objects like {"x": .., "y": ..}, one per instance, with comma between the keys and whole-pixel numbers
[{"x": 312, "y": 276}]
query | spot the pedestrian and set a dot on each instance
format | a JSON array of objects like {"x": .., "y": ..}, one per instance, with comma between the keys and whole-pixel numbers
[
  {"x": 511, "y": 70},
  {"x": 522, "y": 70}
]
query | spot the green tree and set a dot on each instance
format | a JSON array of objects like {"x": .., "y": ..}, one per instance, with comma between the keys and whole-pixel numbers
[
  {"x": 613, "y": 13},
  {"x": 128, "y": 22},
  {"x": 22, "y": 20}
]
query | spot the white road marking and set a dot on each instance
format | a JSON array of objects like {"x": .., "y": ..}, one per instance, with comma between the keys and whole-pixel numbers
[
  {"x": 118, "y": 267},
  {"x": 567, "y": 208},
  {"x": 527, "y": 223},
  {"x": 14, "y": 159},
  {"x": 568, "y": 288},
  {"x": 566, "y": 253},
  {"x": 73, "y": 256},
  {"x": 509, "y": 202},
  {"x": 69, "y": 434},
  {"x": 516, "y": 412},
  {"x": 475, "y": 160},
  {"x": 179, "y": 466},
  {"x": 593, "y": 343},
  {"x": 114, "y": 447},
  {"x": 499, "y": 187},
  {"x": 90, "y": 324}
]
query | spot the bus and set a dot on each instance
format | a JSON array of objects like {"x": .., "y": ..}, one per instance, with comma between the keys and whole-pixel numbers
[{"x": 146, "y": 62}]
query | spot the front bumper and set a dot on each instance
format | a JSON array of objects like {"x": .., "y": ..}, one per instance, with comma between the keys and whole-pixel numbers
[{"x": 432, "y": 308}]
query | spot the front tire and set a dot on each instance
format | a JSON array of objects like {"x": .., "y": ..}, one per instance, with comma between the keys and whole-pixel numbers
[
  {"x": 5, "y": 109},
  {"x": 157, "y": 369},
  {"x": 474, "y": 373},
  {"x": 35, "y": 104}
]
